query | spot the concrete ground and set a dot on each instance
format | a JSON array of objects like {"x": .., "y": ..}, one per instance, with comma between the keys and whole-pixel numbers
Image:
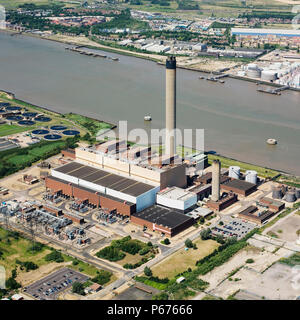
[
  {"x": 287, "y": 228},
  {"x": 276, "y": 283},
  {"x": 134, "y": 293}
]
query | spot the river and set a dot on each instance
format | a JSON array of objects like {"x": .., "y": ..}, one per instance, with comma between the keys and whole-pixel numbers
[{"x": 237, "y": 119}]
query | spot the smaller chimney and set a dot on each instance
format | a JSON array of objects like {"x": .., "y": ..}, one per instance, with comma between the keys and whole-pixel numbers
[{"x": 216, "y": 171}]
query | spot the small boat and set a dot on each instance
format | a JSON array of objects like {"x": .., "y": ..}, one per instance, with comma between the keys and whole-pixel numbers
[
  {"x": 148, "y": 118},
  {"x": 272, "y": 141}
]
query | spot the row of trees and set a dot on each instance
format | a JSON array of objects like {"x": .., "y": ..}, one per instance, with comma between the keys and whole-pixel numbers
[{"x": 31, "y": 154}]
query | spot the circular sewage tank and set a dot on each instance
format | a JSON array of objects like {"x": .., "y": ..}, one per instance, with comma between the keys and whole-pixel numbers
[
  {"x": 13, "y": 108},
  {"x": 4, "y": 104},
  {"x": 43, "y": 119},
  {"x": 26, "y": 123},
  {"x": 29, "y": 114},
  {"x": 52, "y": 137},
  {"x": 14, "y": 118},
  {"x": 58, "y": 128},
  {"x": 71, "y": 132},
  {"x": 40, "y": 131}
]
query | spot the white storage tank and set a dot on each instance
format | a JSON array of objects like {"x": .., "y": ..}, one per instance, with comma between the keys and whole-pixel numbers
[
  {"x": 254, "y": 73},
  {"x": 234, "y": 172},
  {"x": 268, "y": 75},
  {"x": 251, "y": 176}
]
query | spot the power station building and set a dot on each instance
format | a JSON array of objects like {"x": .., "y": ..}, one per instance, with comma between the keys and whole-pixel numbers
[
  {"x": 79, "y": 181},
  {"x": 130, "y": 181}
]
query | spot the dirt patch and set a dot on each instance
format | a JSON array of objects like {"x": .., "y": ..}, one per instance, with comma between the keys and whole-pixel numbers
[{"x": 35, "y": 275}]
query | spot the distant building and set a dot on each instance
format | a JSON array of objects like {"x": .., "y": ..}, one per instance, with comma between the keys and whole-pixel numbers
[{"x": 265, "y": 32}]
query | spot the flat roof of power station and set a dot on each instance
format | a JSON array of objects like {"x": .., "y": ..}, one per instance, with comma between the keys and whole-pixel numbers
[
  {"x": 91, "y": 191},
  {"x": 162, "y": 216},
  {"x": 239, "y": 184},
  {"x": 105, "y": 179}
]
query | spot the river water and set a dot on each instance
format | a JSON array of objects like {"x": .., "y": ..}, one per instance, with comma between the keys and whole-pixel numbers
[{"x": 237, "y": 119}]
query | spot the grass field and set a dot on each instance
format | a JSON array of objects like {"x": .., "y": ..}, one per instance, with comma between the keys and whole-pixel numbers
[
  {"x": 92, "y": 125},
  {"x": 6, "y": 129},
  {"x": 218, "y": 8},
  {"x": 10, "y": 4},
  {"x": 182, "y": 260},
  {"x": 18, "y": 249}
]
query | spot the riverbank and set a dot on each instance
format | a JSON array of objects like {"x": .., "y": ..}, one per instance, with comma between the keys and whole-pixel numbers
[
  {"x": 130, "y": 88},
  {"x": 83, "y": 123},
  {"x": 79, "y": 120},
  {"x": 214, "y": 68}
]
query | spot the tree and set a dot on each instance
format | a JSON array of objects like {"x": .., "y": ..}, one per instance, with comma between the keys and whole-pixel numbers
[
  {"x": 205, "y": 234},
  {"x": 102, "y": 277},
  {"x": 167, "y": 241},
  {"x": 12, "y": 284},
  {"x": 148, "y": 272},
  {"x": 78, "y": 288},
  {"x": 188, "y": 243}
]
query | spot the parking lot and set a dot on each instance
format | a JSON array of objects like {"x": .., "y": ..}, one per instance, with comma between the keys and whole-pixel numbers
[
  {"x": 134, "y": 293},
  {"x": 50, "y": 287},
  {"x": 232, "y": 227}
]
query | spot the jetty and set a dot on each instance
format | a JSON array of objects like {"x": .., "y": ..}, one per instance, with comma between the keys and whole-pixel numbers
[
  {"x": 218, "y": 78},
  {"x": 276, "y": 91},
  {"x": 89, "y": 53}
]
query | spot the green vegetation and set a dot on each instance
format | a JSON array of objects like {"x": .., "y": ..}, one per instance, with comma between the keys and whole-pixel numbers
[
  {"x": 14, "y": 160},
  {"x": 118, "y": 249},
  {"x": 20, "y": 255},
  {"x": 189, "y": 244},
  {"x": 154, "y": 282},
  {"x": 55, "y": 256},
  {"x": 92, "y": 125},
  {"x": 123, "y": 20},
  {"x": 111, "y": 254},
  {"x": 187, "y": 5},
  {"x": 227, "y": 162},
  {"x": 161, "y": 296},
  {"x": 102, "y": 277},
  {"x": 192, "y": 283},
  {"x": 8, "y": 129},
  {"x": 293, "y": 260},
  {"x": 78, "y": 288},
  {"x": 268, "y": 14},
  {"x": 166, "y": 241},
  {"x": 250, "y": 261},
  {"x": 28, "y": 265},
  {"x": 148, "y": 272},
  {"x": 291, "y": 181}
]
